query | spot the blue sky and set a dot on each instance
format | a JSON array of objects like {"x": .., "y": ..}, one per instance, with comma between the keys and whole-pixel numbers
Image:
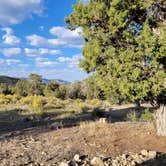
[{"x": 34, "y": 39}]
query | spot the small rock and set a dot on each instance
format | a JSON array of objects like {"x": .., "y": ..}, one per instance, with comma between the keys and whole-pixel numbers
[
  {"x": 124, "y": 156},
  {"x": 133, "y": 163},
  {"x": 54, "y": 125},
  {"x": 72, "y": 163},
  {"x": 96, "y": 161},
  {"x": 77, "y": 158},
  {"x": 29, "y": 118},
  {"x": 102, "y": 120},
  {"x": 152, "y": 154},
  {"x": 63, "y": 164},
  {"x": 144, "y": 152},
  {"x": 83, "y": 157}
]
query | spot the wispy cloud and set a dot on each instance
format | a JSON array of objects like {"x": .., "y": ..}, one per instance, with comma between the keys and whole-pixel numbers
[
  {"x": 9, "y": 38},
  {"x": 12, "y": 61},
  {"x": 41, "y": 51},
  {"x": 45, "y": 62},
  {"x": 71, "y": 61},
  {"x": 11, "y": 51},
  {"x": 15, "y": 11},
  {"x": 9, "y": 61}
]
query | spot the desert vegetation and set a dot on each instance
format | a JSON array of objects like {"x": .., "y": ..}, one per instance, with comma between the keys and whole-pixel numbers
[{"x": 116, "y": 116}]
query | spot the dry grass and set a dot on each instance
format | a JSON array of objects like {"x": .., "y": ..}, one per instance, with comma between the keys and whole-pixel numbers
[{"x": 94, "y": 128}]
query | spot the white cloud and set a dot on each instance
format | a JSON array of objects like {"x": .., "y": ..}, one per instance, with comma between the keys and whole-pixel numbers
[
  {"x": 22, "y": 65},
  {"x": 64, "y": 33},
  {"x": 11, "y": 51},
  {"x": 9, "y": 61},
  {"x": 71, "y": 61},
  {"x": 9, "y": 38},
  {"x": 39, "y": 41},
  {"x": 15, "y": 11},
  {"x": 70, "y": 38},
  {"x": 36, "y": 40},
  {"x": 45, "y": 62},
  {"x": 41, "y": 51},
  {"x": 63, "y": 37},
  {"x": 14, "y": 72},
  {"x": 12, "y": 61}
]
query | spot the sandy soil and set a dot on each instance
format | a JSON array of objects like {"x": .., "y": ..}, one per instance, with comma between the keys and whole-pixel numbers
[{"x": 48, "y": 145}]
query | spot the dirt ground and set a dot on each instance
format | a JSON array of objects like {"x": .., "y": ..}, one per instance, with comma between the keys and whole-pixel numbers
[{"x": 48, "y": 145}]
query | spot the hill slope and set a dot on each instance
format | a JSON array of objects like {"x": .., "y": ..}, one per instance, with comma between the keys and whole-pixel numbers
[
  {"x": 8, "y": 80},
  {"x": 12, "y": 80}
]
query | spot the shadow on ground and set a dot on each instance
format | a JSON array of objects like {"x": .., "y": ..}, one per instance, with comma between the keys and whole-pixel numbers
[
  {"x": 15, "y": 123},
  {"x": 160, "y": 160}
]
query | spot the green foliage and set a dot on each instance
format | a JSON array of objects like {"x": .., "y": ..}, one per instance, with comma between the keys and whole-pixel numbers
[
  {"x": 122, "y": 48},
  {"x": 98, "y": 112},
  {"x": 85, "y": 109},
  {"x": 75, "y": 91},
  {"x": 21, "y": 88},
  {"x": 51, "y": 87},
  {"x": 93, "y": 89},
  {"x": 147, "y": 115},
  {"x": 35, "y": 84},
  {"x": 6, "y": 89},
  {"x": 61, "y": 92}
]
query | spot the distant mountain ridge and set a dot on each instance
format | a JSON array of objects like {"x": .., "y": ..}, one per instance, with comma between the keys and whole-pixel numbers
[
  {"x": 12, "y": 80},
  {"x": 8, "y": 80}
]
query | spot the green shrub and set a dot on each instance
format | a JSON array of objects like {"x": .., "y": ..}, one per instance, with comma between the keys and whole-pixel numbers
[
  {"x": 98, "y": 112},
  {"x": 85, "y": 109},
  {"x": 147, "y": 115}
]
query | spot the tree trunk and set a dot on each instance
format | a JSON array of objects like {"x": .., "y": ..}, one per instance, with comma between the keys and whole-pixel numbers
[{"x": 160, "y": 118}]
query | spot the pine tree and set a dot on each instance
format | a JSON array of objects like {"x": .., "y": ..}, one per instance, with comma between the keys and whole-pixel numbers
[{"x": 124, "y": 45}]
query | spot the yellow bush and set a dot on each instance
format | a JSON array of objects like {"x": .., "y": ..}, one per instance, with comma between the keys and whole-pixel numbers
[
  {"x": 6, "y": 99},
  {"x": 37, "y": 104},
  {"x": 95, "y": 102},
  {"x": 27, "y": 100},
  {"x": 51, "y": 100}
]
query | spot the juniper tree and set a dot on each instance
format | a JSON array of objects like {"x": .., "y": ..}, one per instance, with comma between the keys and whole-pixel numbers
[
  {"x": 35, "y": 84},
  {"x": 124, "y": 45},
  {"x": 21, "y": 88}
]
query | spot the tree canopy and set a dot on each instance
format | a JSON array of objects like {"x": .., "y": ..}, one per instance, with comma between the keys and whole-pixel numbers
[
  {"x": 35, "y": 83},
  {"x": 124, "y": 45}
]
